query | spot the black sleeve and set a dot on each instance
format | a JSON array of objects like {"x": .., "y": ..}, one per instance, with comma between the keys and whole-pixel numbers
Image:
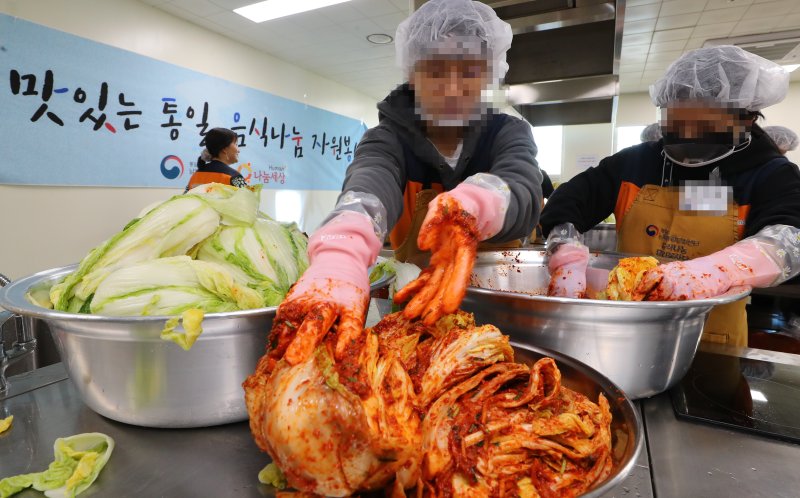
[
  {"x": 775, "y": 201},
  {"x": 587, "y": 199},
  {"x": 514, "y": 160},
  {"x": 547, "y": 185},
  {"x": 379, "y": 169}
]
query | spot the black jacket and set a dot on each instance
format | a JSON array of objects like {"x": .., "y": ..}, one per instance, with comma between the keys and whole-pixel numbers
[{"x": 772, "y": 193}]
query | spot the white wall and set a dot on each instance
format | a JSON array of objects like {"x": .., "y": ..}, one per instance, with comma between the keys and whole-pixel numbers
[
  {"x": 786, "y": 114},
  {"x": 46, "y": 227},
  {"x": 582, "y": 143},
  {"x": 637, "y": 109}
]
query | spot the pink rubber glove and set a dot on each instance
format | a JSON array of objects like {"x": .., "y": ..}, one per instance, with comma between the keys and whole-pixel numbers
[
  {"x": 568, "y": 271},
  {"x": 335, "y": 285},
  {"x": 456, "y": 221},
  {"x": 487, "y": 206},
  {"x": 740, "y": 264}
]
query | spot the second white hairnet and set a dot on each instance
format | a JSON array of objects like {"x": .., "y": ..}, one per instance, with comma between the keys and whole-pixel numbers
[
  {"x": 783, "y": 137},
  {"x": 651, "y": 133},
  {"x": 726, "y": 74},
  {"x": 420, "y": 35}
]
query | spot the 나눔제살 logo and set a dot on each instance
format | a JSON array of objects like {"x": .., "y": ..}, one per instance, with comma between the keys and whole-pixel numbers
[
  {"x": 245, "y": 167},
  {"x": 652, "y": 230}
]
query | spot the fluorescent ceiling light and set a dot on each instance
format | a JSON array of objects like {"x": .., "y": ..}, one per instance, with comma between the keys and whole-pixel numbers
[
  {"x": 790, "y": 67},
  {"x": 273, "y": 9}
]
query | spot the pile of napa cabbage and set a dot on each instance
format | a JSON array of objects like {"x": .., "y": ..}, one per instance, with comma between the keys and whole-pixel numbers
[{"x": 207, "y": 251}]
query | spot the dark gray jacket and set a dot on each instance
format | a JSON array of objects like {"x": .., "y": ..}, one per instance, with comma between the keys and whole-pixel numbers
[{"x": 380, "y": 166}]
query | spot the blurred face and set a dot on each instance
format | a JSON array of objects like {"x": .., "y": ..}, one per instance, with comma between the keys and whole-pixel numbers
[
  {"x": 699, "y": 133},
  {"x": 448, "y": 90},
  {"x": 701, "y": 122},
  {"x": 230, "y": 154}
]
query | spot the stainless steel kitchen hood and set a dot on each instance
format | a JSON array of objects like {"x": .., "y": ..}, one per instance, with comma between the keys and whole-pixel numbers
[{"x": 564, "y": 61}]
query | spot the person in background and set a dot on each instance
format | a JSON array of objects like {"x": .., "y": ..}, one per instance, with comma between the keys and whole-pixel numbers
[
  {"x": 714, "y": 193},
  {"x": 784, "y": 138},
  {"x": 547, "y": 185},
  {"x": 213, "y": 165},
  {"x": 440, "y": 170},
  {"x": 651, "y": 133}
]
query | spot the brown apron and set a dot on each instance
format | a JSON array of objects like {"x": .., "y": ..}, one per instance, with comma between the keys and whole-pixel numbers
[
  {"x": 655, "y": 226},
  {"x": 408, "y": 252}
]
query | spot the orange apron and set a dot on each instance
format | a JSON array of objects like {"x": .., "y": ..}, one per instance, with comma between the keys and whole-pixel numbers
[
  {"x": 408, "y": 252},
  {"x": 654, "y": 225},
  {"x": 202, "y": 177}
]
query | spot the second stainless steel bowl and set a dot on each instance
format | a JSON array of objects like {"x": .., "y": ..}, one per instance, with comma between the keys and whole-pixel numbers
[{"x": 643, "y": 347}]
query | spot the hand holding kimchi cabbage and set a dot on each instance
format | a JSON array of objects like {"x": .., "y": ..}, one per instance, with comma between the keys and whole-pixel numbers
[{"x": 421, "y": 410}]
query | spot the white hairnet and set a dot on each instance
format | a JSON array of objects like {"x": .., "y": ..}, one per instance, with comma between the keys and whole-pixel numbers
[
  {"x": 783, "y": 137},
  {"x": 725, "y": 74},
  {"x": 426, "y": 32},
  {"x": 651, "y": 133}
]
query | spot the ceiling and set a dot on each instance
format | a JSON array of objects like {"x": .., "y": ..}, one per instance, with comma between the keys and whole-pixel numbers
[
  {"x": 657, "y": 32},
  {"x": 332, "y": 41}
]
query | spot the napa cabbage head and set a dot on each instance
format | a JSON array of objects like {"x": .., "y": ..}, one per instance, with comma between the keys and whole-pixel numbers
[
  {"x": 171, "y": 228},
  {"x": 267, "y": 257},
  {"x": 170, "y": 286}
]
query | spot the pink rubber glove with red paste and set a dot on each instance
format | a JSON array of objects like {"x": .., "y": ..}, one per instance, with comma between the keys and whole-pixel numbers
[
  {"x": 743, "y": 263},
  {"x": 334, "y": 287},
  {"x": 568, "y": 270},
  {"x": 456, "y": 221}
]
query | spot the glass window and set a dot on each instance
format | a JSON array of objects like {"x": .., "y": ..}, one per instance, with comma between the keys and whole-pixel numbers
[
  {"x": 627, "y": 136},
  {"x": 550, "y": 141},
  {"x": 288, "y": 206}
]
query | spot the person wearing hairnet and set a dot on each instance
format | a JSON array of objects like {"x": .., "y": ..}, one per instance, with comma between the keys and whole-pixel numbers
[
  {"x": 651, "y": 133},
  {"x": 714, "y": 193},
  {"x": 784, "y": 138},
  {"x": 441, "y": 170}
]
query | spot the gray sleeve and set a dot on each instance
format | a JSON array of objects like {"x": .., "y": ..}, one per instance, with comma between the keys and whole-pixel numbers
[
  {"x": 367, "y": 204},
  {"x": 378, "y": 169},
  {"x": 514, "y": 160}
]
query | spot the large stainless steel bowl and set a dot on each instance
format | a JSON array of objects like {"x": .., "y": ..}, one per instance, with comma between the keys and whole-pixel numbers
[
  {"x": 125, "y": 372},
  {"x": 643, "y": 347}
]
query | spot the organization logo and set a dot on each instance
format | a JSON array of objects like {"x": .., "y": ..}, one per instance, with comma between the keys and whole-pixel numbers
[
  {"x": 172, "y": 167},
  {"x": 652, "y": 230},
  {"x": 249, "y": 168}
]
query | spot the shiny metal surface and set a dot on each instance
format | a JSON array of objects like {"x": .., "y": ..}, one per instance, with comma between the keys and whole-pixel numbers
[
  {"x": 46, "y": 352},
  {"x": 22, "y": 345},
  {"x": 601, "y": 238},
  {"x": 587, "y": 12},
  {"x": 643, "y": 347},
  {"x": 697, "y": 459},
  {"x": 751, "y": 353},
  {"x": 224, "y": 461},
  {"x": 124, "y": 371},
  {"x": 551, "y": 92}
]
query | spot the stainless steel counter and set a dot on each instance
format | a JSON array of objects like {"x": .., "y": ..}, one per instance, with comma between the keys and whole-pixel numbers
[
  {"x": 215, "y": 461},
  {"x": 697, "y": 459},
  {"x": 682, "y": 459}
]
